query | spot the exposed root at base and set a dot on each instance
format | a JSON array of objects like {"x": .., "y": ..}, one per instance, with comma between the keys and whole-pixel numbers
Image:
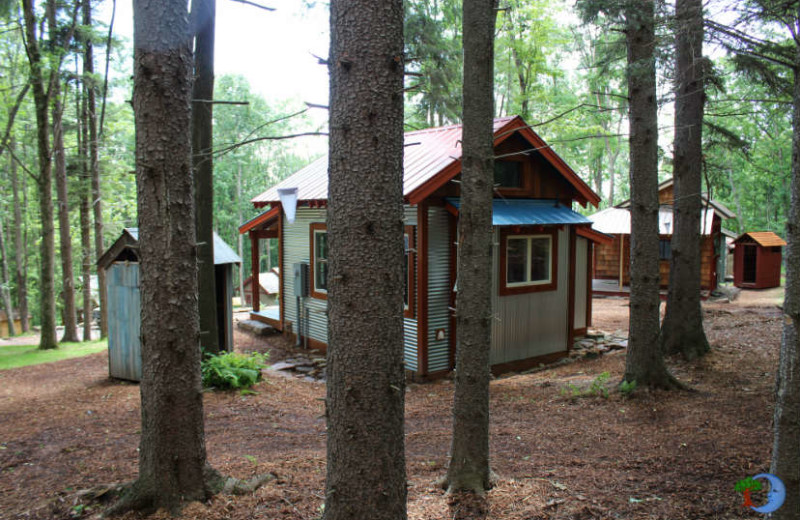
[{"x": 131, "y": 496}]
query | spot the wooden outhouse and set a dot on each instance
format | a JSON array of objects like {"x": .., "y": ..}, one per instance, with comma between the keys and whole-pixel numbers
[
  {"x": 757, "y": 260},
  {"x": 611, "y": 270},
  {"x": 541, "y": 269},
  {"x": 121, "y": 263},
  {"x": 4, "y": 328}
]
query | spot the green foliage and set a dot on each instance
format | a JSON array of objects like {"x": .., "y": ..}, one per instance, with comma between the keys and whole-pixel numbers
[
  {"x": 596, "y": 389},
  {"x": 748, "y": 483},
  {"x": 232, "y": 370},
  {"x": 626, "y": 388}
]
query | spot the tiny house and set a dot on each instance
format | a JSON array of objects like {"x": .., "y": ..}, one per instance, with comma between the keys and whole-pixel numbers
[
  {"x": 757, "y": 260},
  {"x": 541, "y": 258},
  {"x": 121, "y": 263},
  {"x": 611, "y": 269}
]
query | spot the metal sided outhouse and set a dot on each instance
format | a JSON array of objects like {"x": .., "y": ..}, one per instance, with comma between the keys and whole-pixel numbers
[
  {"x": 121, "y": 263},
  {"x": 541, "y": 270}
]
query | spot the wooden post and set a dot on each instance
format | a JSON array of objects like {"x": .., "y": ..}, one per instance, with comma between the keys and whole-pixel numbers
[{"x": 255, "y": 260}]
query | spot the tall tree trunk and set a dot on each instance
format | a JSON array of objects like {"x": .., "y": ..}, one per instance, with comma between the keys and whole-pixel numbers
[
  {"x": 785, "y": 448},
  {"x": 64, "y": 234},
  {"x": 20, "y": 247},
  {"x": 94, "y": 165},
  {"x": 5, "y": 294},
  {"x": 85, "y": 193},
  {"x": 239, "y": 236},
  {"x": 469, "y": 452},
  {"x": 682, "y": 331},
  {"x": 47, "y": 301},
  {"x": 172, "y": 453},
  {"x": 366, "y": 475},
  {"x": 644, "y": 362},
  {"x": 203, "y": 13}
]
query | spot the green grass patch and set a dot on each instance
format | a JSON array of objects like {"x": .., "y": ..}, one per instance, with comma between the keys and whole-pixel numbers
[{"x": 14, "y": 356}]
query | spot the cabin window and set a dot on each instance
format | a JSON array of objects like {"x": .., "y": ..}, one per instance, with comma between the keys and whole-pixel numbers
[
  {"x": 508, "y": 174},
  {"x": 528, "y": 262},
  {"x": 408, "y": 264},
  {"x": 319, "y": 261},
  {"x": 665, "y": 249}
]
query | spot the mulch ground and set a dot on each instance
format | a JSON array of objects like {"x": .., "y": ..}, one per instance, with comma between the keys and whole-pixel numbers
[{"x": 66, "y": 427}]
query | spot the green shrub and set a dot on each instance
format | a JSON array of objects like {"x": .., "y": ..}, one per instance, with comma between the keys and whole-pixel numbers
[
  {"x": 596, "y": 389},
  {"x": 626, "y": 388},
  {"x": 232, "y": 370}
]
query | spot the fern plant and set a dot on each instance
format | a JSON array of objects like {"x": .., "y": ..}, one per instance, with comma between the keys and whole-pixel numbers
[{"x": 231, "y": 370}]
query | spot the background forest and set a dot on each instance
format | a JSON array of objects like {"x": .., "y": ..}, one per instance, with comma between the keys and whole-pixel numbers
[{"x": 564, "y": 77}]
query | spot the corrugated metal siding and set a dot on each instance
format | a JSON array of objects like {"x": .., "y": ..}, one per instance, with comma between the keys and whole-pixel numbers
[
  {"x": 533, "y": 324},
  {"x": 581, "y": 245},
  {"x": 296, "y": 248},
  {"x": 124, "y": 346},
  {"x": 410, "y": 324},
  {"x": 438, "y": 289}
]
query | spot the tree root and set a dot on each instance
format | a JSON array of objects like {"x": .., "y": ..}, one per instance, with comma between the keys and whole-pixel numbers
[
  {"x": 132, "y": 496},
  {"x": 467, "y": 484}
]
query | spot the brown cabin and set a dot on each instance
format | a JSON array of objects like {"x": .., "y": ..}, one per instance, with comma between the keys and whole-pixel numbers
[
  {"x": 4, "y": 333},
  {"x": 757, "y": 260},
  {"x": 611, "y": 268}
]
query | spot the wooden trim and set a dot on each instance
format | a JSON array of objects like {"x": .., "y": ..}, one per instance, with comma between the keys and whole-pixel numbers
[
  {"x": 453, "y": 270},
  {"x": 525, "y": 364},
  {"x": 263, "y": 319},
  {"x": 434, "y": 183},
  {"x": 593, "y": 235},
  {"x": 255, "y": 268},
  {"x": 316, "y": 226},
  {"x": 265, "y": 217},
  {"x": 589, "y": 256},
  {"x": 571, "y": 288},
  {"x": 505, "y": 232},
  {"x": 579, "y": 332},
  {"x": 264, "y": 233},
  {"x": 411, "y": 268},
  {"x": 281, "y": 275},
  {"x": 422, "y": 288}
]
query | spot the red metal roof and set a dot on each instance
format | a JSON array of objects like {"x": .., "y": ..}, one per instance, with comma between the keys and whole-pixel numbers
[
  {"x": 431, "y": 158},
  {"x": 764, "y": 238}
]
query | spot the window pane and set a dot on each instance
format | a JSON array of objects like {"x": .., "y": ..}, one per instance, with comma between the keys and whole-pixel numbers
[
  {"x": 321, "y": 260},
  {"x": 517, "y": 260},
  {"x": 664, "y": 249},
  {"x": 540, "y": 259},
  {"x": 508, "y": 174}
]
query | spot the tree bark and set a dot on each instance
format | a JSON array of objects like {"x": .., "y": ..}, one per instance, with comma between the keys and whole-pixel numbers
[
  {"x": 64, "y": 234},
  {"x": 20, "y": 247},
  {"x": 94, "y": 167},
  {"x": 366, "y": 475},
  {"x": 85, "y": 192},
  {"x": 203, "y": 13},
  {"x": 47, "y": 301},
  {"x": 469, "y": 452},
  {"x": 644, "y": 362},
  {"x": 172, "y": 454},
  {"x": 682, "y": 331},
  {"x": 4, "y": 289},
  {"x": 785, "y": 449}
]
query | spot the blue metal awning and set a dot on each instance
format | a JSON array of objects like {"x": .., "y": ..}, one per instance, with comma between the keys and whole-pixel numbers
[{"x": 526, "y": 212}]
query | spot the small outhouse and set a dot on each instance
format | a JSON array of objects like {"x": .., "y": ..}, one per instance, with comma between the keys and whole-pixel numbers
[
  {"x": 121, "y": 263},
  {"x": 757, "y": 260}
]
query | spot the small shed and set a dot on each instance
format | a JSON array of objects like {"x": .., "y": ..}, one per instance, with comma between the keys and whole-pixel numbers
[
  {"x": 4, "y": 333},
  {"x": 269, "y": 284},
  {"x": 121, "y": 263},
  {"x": 757, "y": 260}
]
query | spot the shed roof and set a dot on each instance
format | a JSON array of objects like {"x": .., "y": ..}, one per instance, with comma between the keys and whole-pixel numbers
[
  {"x": 717, "y": 206},
  {"x": 431, "y": 158},
  {"x": 525, "y": 212},
  {"x": 223, "y": 254},
  {"x": 617, "y": 221},
  {"x": 763, "y": 238}
]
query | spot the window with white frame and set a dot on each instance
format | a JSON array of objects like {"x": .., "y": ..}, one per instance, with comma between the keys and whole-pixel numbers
[
  {"x": 528, "y": 260},
  {"x": 319, "y": 261}
]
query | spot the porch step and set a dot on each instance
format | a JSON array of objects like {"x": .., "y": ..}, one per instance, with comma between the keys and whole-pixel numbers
[{"x": 256, "y": 327}]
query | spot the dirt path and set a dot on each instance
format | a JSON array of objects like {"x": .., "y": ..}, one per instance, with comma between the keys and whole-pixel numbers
[{"x": 65, "y": 427}]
